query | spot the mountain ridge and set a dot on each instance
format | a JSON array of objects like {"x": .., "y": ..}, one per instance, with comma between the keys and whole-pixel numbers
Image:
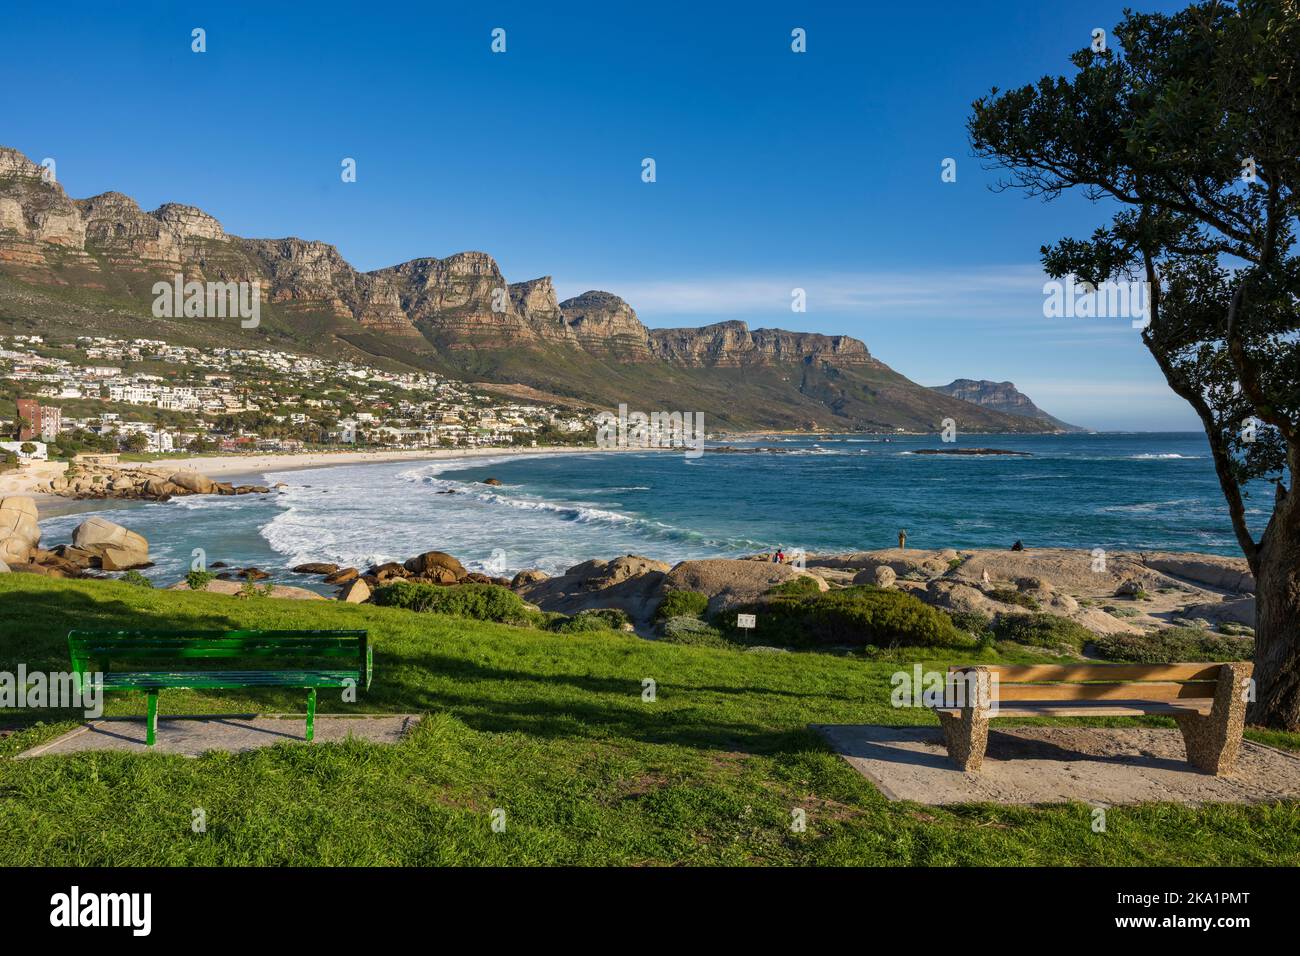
[
  {"x": 89, "y": 264},
  {"x": 1003, "y": 397}
]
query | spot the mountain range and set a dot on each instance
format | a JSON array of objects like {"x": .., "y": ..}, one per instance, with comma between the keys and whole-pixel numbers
[{"x": 88, "y": 266}]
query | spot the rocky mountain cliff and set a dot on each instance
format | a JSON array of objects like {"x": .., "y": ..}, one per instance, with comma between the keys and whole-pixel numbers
[
  {"x": 89, "y": 265},
  {"x": 1001, "y": 397}
]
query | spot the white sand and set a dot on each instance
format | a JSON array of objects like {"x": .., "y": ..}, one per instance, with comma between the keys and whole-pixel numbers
[{"x": 22, "y": 480}]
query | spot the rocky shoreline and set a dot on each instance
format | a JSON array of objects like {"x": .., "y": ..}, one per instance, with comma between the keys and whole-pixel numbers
[
  {"x": 1114, "y": 593},
  {"x": 82, "y": 481}
]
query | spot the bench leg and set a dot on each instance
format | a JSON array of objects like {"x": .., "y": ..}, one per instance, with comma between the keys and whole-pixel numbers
[
  {"x": 151, "y": 720},
  {"x": 311, "y": 713},
  {"x": 1213, "y": 739},
  {"x": 967, "y": 736}
]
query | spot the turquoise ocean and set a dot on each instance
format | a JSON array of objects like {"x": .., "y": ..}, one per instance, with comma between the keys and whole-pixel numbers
[{"x": 1148, "y": 491}]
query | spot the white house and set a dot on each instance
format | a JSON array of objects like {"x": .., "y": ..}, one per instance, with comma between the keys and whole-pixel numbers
[{"x": 16, "y": 447}]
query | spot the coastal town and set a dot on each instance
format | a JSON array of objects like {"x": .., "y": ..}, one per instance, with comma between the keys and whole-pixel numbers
[{"x": 146, "y": 396}]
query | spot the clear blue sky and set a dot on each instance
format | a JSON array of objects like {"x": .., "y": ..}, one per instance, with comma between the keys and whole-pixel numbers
[{"x": 775, "y": 170}]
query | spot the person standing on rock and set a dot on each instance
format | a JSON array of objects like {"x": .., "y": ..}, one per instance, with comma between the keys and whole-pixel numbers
[{"x": 902, "y": 539}]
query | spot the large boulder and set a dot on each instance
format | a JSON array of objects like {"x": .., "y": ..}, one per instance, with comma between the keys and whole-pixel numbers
[
  {"x": 117, "y": 548},
  {"x": 530, "y": 576},
  {"x": 19, "y": 532},
  {"x": 902, "y": 561},
  {"x": 1206, "y": 570},
  {"x": 631, "y": 583},
  {"x": 355, "y": 591},
  {"x": 730, "y": 583},
  {"x": 1233, "y": 611},
  {"x": 194, "y": 483},
  {"x": 431, "y": 562}
]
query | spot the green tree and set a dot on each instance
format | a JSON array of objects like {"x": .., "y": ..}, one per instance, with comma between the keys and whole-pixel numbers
[
  {"x": 1190, "y": 131},
  {"x": 137, "y": 443}
]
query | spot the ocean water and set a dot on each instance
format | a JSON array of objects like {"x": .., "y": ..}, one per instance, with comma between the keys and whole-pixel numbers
[{"x": 824, "y": 493}]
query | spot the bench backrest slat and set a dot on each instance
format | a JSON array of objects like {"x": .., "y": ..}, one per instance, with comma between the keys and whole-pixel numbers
[
  {"x": 1128, "y": 690},
  {"x": 86, "y": 647},
  {"x": 1022, "y": 673},
  {"x": 1025, "y": 682}
]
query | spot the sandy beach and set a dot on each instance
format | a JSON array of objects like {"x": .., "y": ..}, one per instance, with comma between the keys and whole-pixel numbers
[
  {"x": 23, "y": 480},
  {"x": 221, "y": 466}
]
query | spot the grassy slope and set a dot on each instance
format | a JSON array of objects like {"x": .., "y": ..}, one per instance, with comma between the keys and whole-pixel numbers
[{"x": 552, "y": 729}]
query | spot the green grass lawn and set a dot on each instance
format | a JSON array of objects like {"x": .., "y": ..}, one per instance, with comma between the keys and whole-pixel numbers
[{"x": 553, "y": 730}]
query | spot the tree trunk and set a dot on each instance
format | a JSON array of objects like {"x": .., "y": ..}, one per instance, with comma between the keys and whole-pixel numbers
[{"x": 1277, "y": 621}]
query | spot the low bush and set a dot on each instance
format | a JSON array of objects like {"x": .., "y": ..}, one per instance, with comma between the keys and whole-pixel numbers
[
  {"x": 682, "y": 604},
  {"x": 1042, "y": 630},
  {"x": 479, "y": 602},
  {"x": 592, "y": 619},
  {"x": 1172, "y": 644},
  {"x": 1012, "y": 596},
  {"x": 685, "y": 629},
  {"x": 972, "y": 622},
  {"x": 199, "y": 580},
  {"x": 853, "y": 616},
  {"x": 804, "y": 585},
  {"x": 136, "y": 578}
]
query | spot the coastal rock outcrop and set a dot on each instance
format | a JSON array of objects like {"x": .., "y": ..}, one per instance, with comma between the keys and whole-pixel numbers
[
  {"x": 117, "y": 548},
  {"x": 236, "y": 589},
  {"x": 356, "y": 591},
  {"x": 105, "y": 481},
  {"x": 631, "y": 583},
  {"x": 19, "y": 532},
  {"x": 731, "y": 582}
]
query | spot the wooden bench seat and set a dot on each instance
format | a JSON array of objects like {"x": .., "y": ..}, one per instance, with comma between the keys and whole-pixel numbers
[{"x": 1207, "y": 701}]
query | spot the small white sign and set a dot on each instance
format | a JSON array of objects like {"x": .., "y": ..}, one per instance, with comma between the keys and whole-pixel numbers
[{"x": 746, "y": 620}]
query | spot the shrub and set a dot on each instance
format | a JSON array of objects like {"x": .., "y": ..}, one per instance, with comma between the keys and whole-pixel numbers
[
  {"x": 1012, "y": 596},
  {"x": 804, "y": 585},
  {"x": 1042, "y": 630},
  {"x": 682, "y": 604},
  {"x": 685, "y": 629},
  {"x": 1172, "y": 644},
  {"x": 850, "y": 616},
  {"x": 972, "y": 622},
  {"x": 136, "y": 578},
  {"x": 199, "y": 580},
  {"x": 480, "y": 602},
  {"x": 592, "y": 619}
]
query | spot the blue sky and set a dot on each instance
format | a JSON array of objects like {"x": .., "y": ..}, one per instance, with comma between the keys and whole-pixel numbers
[{"x": 775, "y": 170}]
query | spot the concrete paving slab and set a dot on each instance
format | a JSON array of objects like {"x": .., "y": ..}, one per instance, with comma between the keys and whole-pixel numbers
[
  {"x": 1029, "y": 765},
  {"x": 234, "y": 733}
]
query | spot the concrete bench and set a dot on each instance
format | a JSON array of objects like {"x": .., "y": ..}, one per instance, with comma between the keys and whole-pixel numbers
[{"x": 1208, "y": 702}]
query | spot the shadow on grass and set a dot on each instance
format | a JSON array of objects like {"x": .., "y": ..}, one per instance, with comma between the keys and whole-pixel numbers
[
  {"x": 45, "y": 648},
  {"x": 582, "y": 706}
]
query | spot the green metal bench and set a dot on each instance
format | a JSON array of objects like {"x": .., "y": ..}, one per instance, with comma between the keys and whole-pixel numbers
[{"x": 305, "y": 659}]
